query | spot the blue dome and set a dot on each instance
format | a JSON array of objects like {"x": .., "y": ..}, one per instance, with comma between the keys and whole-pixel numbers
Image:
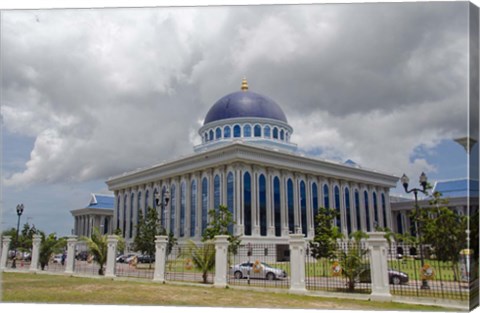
[{"x": 244, "y": 104}]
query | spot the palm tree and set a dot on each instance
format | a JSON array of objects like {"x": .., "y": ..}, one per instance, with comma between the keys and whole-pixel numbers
[
  {"x": 49, "y": 245},
  {"x": 203, "y": 257},
  {"x": 98, "y": 247}
]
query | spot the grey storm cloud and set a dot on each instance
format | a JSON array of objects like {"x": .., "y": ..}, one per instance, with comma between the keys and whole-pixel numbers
[{"x": 110, "y": 90}]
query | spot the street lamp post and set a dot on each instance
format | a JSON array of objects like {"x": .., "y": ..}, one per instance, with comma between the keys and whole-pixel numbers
[
  {"x": 162, "y": 202},
  {"x": 19, "y": 213},
  {"x": 423, "y": 182}
]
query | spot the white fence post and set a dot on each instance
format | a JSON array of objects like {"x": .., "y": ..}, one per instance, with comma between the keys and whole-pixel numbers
[
  {"x": 112, "y": 241},
  {"x": 71, "y": 244},
  {"x": 378, "y": 249},
  {"x": 36, "y": 242},
  {"x": 160, "y": 258},
  {"x": 221, "y": 255},
  {"x": 5, "y": 244},
  {"x": 297, "y": 263}
]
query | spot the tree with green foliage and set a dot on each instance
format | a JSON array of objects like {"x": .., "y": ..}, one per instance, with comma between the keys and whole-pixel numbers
[
  {"x": 324, "y": 243},
  {"x": 50, "y": 245},
  {"x": 98, "y": 247},
  {"x": 352, "y": 258},
  {"x": 25, "y": 237},
  {"x": 202, "y": 256},
  {"x": 147, "y": 228},
  {"x": 220, "y": 220}
]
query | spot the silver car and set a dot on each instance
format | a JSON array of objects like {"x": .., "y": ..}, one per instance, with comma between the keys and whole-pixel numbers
[{"x": 257, "y": 270}]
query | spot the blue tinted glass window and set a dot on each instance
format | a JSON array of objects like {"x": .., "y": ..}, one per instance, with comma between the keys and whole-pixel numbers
[
  {"x": 210, "y": 135},
  {"x": 266, "y": 131},
  {"x": 262, "y": 197},
  {"x": 173, "y": 206},
  {"x": 375, "y": 209},
  {"x": 314, "y": 200},
  {"x": 247, "y": 131},
  {"x": 227, "y": 132},
  {"x": 282, "y": 135},
  {"x": 275, "y": 133},
  {"x": 145, "y": 208},
  {"x": 132, "y": 204},
  {"x": 163, "y": 213},
  {"x": 276, "y": 207},
  {"x": 125, "y": 200},
  {"x": 337, "y": 207},
  {"x": 236, "y": 131},
  {"x": 303, "y": 207},
  {"x": 193, "y": 207},
  {"x": 257, "y": 131},
  {"x": 347, "y": 210},
  {"x": 357, "y": 210},
  {"x": 247, "y": 204},
  {"x": 399, "y": 224},
  {"x": 218, "y": 133},
  {"x": 384, "y": 211},
  {"x": 216, "y": 192},
  {"x": 290, "y": 207},
  {"x": 182, "y": 208},
  {"x": 204, "y": 203},
  {"x": 118, "y": 212},
  {"x": 230, "y": 199},
  {"x": 326, "y": 197},
  {"x": 367, "y": 211}
]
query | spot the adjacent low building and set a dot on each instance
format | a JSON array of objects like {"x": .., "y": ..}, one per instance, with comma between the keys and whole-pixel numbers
[
  {"x": 247, "y": 162},
  {"x": 98, "y": 213}
]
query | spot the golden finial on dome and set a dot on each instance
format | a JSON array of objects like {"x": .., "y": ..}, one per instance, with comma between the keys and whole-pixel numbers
[{"x": 244, "y": 84}]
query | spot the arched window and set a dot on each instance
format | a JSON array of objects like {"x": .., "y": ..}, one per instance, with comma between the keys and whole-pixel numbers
[
  {"x": 276, "y": 207},
  {"x": 247, "y": 203},
  {"x": 257, "y": 131},
  {"x": 367, "y": 211},
  {"x": 314, "y": 201},
  {"x": 204, "y": 203},
  {"x": 210, "y": 135},
  {"x": 399, "y": 224},
  {"x": 132, "y": 204},
  {"x": 237, "y": 131},
  {"x": 173, "y": 206},
  {"x": 163, "y": 209},
  {"x": 275, "y": 133},
  {"x": 193, "y": 207},
  {"x": 384, "y": 211},
  {"x": 218, "y": 133},
  {"x": 326, "y": 197},
  {"x": 124, "y": 216},
  {"x": 262, "y": 200},
  {"x": 303, "y": 207},
  {"x": 226, "y": 132},
  {"x": 183, "y": 201},
  {"x": 230, "y": 199},
  {"x": 118, "y": 212},
  {"x": 375, "y": 210},
  {"x": 146, "y": 203},
  {"x": 266, "y": 131},
  {"x": 357, "y": 210},
  {"x": 282, "y": 135},
  {"x": 247, "y": 131},
  {"x": 347, "y": 210},
  {"x": 155, "y": 192},
  {"x": 216, "y": 192},
  {"x": 290, "y": 207},
  {"x": 338, "y": 219}
]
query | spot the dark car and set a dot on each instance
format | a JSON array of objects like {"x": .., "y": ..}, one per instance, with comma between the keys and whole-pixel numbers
[
  {"x": 145, "y": 259},
  {"x": 394, "y": 277},
  {"x": 82, "y": 256}
]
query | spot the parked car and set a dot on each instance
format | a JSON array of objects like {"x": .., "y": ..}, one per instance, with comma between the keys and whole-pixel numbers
[
  {"x": 82, "y": 256},
  {"x": 131, "y": 257},
  {"x": 123, "y": 257},
  {"x": 257, "y": 270},
  {"x": 57, "y": 258},
  {"x": 143, "y": 258},
  {"x": 394, "y": 277}
]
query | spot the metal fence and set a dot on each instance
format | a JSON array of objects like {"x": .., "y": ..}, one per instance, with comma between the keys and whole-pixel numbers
[
  {"x": 191, "y": 263},
  {"x": 261, "y": 265},
  {"x": 349, "y": 271},
  {"x": 54, "y": 266},
  {"x": 20, "y": 264},
  {"x": 435, "y": 279},
  {"x": 134, "y": 267}
]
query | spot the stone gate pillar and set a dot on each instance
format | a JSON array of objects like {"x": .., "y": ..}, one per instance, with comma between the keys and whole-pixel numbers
[
  {"x": 297, "y": 263},
  {"x": 71, "y": 244},
  {"x": 378, "y": 250},
  {"x": 161, "y": 243},
  {"x": 5, "y": 245},
  {"x": 36, "y": 242},
  {"x": 112, "y": 241},
  {"x": 221, "y": 256}
]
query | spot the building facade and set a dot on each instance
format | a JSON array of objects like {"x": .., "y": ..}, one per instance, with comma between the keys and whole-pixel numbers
[
  {"x": 97, "y": 214},
  {"x": 247, "y": 162}
]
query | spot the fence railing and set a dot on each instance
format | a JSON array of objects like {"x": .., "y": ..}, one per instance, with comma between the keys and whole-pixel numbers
[
  {"x": 261, "y": 265},
  {"x": 436, "y": 279},
  {"x": 349, "y": 271},
  {"x": 191, "y": 263},
  {"x": 136, "y": 266}
]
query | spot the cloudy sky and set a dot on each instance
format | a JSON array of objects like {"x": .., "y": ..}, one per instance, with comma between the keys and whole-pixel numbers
[{"x": 89, "y": 94}]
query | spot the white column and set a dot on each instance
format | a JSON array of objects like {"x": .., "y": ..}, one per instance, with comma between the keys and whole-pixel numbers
[
  {"x": 378, "y": 249},
  {"x": 188, "y": 205},
  {"x": 36, "y": 241},
  {"x": 112, "y": 241},
  {"x": 388, "y": 209},
  {"x": 308, "y": 202},
  {"x": 296, "y": 204},
  {"x": 297, "y": 263},
  {"x": 160, "y": 258},
  {"x": 71, "y": 243},
  {"x": 5, "y": 244},
  {"x": 343, "y": 213},
  {"x": 283, "y": 204},
  {"x": 198, "y": 214},
  {"x": 221, "y": 255}
]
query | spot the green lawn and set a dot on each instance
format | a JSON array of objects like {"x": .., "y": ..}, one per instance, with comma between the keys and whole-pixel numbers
[{"x": 38, "y": 288}]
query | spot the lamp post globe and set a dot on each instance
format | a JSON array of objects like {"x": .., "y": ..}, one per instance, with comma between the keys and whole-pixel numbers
[{"x": 20, "y": 208}]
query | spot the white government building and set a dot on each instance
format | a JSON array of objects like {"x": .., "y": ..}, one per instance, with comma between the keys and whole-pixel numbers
[{"x": 247, "y": 162}]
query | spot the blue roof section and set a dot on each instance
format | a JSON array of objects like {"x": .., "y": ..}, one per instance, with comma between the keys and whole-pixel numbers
[
  {"x": 101, "y": 202},
  {"x": 244, "y": 104},
  {"x": 456, "y": 188}
]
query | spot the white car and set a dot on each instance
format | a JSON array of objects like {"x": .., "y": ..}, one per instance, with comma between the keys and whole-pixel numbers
[
  {"x": 257, "y": 270},
  {"x": 57, "y": 258}
]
